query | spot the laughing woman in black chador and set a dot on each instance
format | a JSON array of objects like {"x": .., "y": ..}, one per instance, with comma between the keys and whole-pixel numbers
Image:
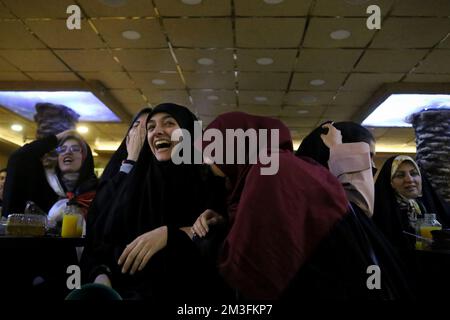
[{"x": 151, "y": 253}]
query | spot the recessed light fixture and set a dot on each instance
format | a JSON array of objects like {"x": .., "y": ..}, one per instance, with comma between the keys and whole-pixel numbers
[
  {"x": 131, "y": 35},
  {"x": 260, "y": 98},
  {"x": 212, "y": 98},
  {"x": 308, "y": 99},
  {"x": 302, "y": 111},
  {"x": 205, "y": 61},
  {"x": 82, "y": 129},
  {"x": 264, "y": 61},
  {"x": 317, "y": 82},
  {"x": 394, "y": 111},
  {"x": 17, "y": 127},
  {"x": 114, "y": 3},
  {"x": 159, "y": 82},
  {"x": 273, "y": 1},
  {"x": 191, "y": 2},
  {"x": 340, "y": 34}
]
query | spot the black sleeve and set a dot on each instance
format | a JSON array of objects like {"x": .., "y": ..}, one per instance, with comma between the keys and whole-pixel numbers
[{"x": 24, "y": 165}]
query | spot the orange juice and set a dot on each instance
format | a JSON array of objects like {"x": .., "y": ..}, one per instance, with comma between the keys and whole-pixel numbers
[
  {"x": 70, "y": 226},
  {"x": 425, "y": 231}
]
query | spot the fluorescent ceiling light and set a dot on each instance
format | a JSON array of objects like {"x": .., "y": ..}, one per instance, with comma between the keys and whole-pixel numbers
[
  {"x": 317, "y": 82},
  {"x": 82, "y": 129},
  {"x": 260, "y": 98},
  {"x": 382, "y": 148},
  {"x": 205, "y": 61},
  {"x": 273, "y": 1},
  {"x": 159, "y": 82},
  {"x": 394, "y": 110},
  {"x": 17, "y": 127},
  {"x": 85, "y": 103},
  {"x": 212, "y": 98}
]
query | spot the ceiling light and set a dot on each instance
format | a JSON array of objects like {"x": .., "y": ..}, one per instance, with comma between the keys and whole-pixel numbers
[
  {"x": 94, "y": 154},
  {"x": 273, "y": 1},
  {"x": 340, "y": 34},
  {"x": 264, "y": 61},
  {"x": 131, "y": 35},
  {"x": 308, "y": 99},
  {"x": 205, "y": 61},
  {"x": 394, "y": 111},
  {"x": 191, "y": 2},
  {"x": 260, "y": 99},
  {"x": 17, "y": 127},
  {"x": 212, "y": 98},
  {"x": 159, "y": 82},
  {"x": 317, "y": 82},
  {"x": 82, "y": 129},
  {"x": 114, "y": 3},
  {"x": 85, "y": 103},
  {"x": 302, "y": 111}
]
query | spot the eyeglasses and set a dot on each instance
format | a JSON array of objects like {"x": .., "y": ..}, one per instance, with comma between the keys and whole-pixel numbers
[{"x": 73, "y": 149}]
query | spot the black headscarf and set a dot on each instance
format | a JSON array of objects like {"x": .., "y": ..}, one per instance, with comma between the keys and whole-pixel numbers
[
  {"x": 388, "y": 216},
  {"x": 312, "y": 145},
  {"x": 121, "y": 154}
]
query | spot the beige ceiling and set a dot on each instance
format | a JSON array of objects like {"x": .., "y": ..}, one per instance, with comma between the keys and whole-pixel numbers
[{"x": 413, "y": 45}]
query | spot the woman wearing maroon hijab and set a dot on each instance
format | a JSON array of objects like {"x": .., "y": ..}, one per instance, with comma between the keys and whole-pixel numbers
[{"x": 276, "y": 221}]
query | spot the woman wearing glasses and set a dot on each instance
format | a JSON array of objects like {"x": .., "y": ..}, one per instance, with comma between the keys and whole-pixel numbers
[{"x": 32, "y": 178}]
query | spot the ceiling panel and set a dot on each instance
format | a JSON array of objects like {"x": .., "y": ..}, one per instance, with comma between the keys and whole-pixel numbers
[
  {"x": 4, "y": 13},
  {"x": 209, "y": 80},
  {"x": 352, "y": 98},
  {"x": 302, "y": 81},
  {"x": 56, "y": 35},
  {"x": 421, "y": 8},
  {"x": 125, "y": 96},
  {"x": 274, "y": 98},
  {"x": 411, "y": 33},
  {"x": 213, "y": 97},
  {"x": 146, "y": 60},
  {"x": 299, "y": 122},
  {"x": 5, "y": 65},
  {"x": 111, "y": 80},
  {"x": 265, "y": 32},
  {"x": 135, "y": 8},
  {"x": 437, "y": 61},
  {"x": 53, "y": 76},
  {"x": 25, "y": 60},
  {"x": 222, "y": 60},
  {"x": 89, "y": 60},
  {"x": 376, "y": 60},
  {"x": 319, "y": 29},
  {"x": 302, "y": 111},
  {"x": 348, "y": 8},
  {"x": 316, "y": 60},
  {"x": 260, "y": 8},
  {"x": 151, "y": 35},
  {"x": 13, "y": 76},
  {"x": 266, "y": 111},
  {"x": 263, "y": 81},
  {"x": 438, "y": 78},
  {"x": 204, "y": 9},
  {"x": 201, "y": 33},
  {"x": 174, "y": 96},
  {"x": 341, "y": 113},
  {"x": 370, "y": 81},
  {"x": 39, "y": 8},
  {"x": 14, "y": 35},
  {"x": 300, "y": 98},
  {"x": 144, "y": 80},
  {"x": 208, "y": 112},
  {"x": 283, "y": 59}
]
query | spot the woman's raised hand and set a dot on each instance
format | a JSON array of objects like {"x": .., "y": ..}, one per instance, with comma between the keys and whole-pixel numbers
[
  {"x": 135, "y": 140},
  {"x": 207, "y": 218},
  {"x": 333, "y": 137}
]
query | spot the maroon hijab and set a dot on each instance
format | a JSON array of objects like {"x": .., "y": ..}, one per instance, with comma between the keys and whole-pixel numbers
[{"x": 276, "y": 221}]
